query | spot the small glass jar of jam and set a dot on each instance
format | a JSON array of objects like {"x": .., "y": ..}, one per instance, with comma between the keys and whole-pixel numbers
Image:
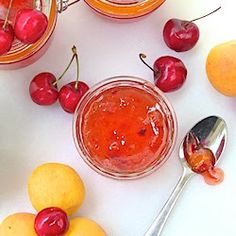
[
  {"x": 124, "y": 9},
  {"x": 124, "y": 127}
]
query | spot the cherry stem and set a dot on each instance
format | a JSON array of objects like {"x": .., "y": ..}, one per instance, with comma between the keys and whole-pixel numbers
[
  {"x": 77, "y": 76},
  {"x": 68, "y": 66},
  {"x": 142, "y": 56},
  {"x": 206, "y": 15},
  {"x": 7, "y": 16}
]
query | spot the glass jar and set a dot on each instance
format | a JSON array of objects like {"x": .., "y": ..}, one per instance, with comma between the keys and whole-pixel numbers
[
  {"x": 124, "y": 9},
  {"x": 22, "y": 55},
  {"x": 124, "y": 127}
]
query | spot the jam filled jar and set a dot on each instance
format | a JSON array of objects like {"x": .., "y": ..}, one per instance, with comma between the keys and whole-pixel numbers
[
  {"x": 124, "y": 9},
  {"x": 124, "y": 127},
  {"x": 21, "y": 54}
]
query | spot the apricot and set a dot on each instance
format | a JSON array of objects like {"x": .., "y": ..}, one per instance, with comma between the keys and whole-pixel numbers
[
  {"x": 56, "y": 185},
  {"x": 84, "y": 226},
  {"x": 221, "y": 68},
  {"x": 18, "y": 224}
]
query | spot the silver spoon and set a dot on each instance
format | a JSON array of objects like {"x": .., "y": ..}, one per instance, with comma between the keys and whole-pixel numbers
[{"x": 210, "y": 133}]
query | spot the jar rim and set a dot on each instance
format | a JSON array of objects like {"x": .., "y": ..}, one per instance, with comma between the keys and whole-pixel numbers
[{"x": 124, "y": 11}]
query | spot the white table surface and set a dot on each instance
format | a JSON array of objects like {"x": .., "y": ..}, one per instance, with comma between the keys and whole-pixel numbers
[{"x": 32, "y": 135}]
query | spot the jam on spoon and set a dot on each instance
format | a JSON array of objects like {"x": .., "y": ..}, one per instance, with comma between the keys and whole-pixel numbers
[{"x": 202, "y": 160}]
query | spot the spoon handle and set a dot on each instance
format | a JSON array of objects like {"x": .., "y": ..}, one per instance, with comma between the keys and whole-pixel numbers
[{"x": 158, "y": 224}]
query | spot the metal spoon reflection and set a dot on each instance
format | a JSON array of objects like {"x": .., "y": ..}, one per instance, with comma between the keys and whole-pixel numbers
[{"x": 210, "y": 133}]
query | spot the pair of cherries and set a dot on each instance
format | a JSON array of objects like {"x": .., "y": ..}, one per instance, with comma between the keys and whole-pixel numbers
[
  {"x": 179, "y": 35},
  {"x": 44, "y": 91},
  {"x": 29, "y": 27}
]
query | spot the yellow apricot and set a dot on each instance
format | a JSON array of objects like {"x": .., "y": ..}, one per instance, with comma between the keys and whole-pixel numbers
[
  {"x": 18, "y": 224},
  {"x": 221, "y": 68},
  {"x": 56, "y": 185},
  {"x": 86, "y": 227}
]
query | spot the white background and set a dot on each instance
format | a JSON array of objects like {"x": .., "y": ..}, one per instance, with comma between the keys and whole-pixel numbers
[{"x": 31, "y": 135}]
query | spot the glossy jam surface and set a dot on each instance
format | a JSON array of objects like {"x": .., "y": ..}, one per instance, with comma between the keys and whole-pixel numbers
[
  {"x": 125, "y": 129},
  {"x": 202, "y": 161}
]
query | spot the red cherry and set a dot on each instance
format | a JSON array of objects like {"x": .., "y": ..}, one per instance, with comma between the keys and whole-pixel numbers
[
  {"x": 6, "y": 32},
  {"x": 51, "y": 222},
  {"x": 169, "y": 72},
  {"x": 6, "y": 37},
  {"x": 43, "y": 89},
  {"x": 30, "y": 25},
  {"x": 181, "y": 35},
  {"x": 69, "y": 95}
]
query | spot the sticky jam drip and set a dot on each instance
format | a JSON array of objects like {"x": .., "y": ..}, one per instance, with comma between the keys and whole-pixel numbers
[{"x": 202, "y": 160}]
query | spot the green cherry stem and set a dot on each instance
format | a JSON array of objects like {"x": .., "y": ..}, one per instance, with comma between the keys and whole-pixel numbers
[
  {"x": 68, "y": 66},
  {"x": 78, "y": 70},
  {"x": 206, "y": 15},
  {"x": 8, "y": 14},
  {"x": 142, "y": 56}
]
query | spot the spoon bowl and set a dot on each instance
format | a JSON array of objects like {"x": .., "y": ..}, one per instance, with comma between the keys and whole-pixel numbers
[{"x": 210, "y": 133}]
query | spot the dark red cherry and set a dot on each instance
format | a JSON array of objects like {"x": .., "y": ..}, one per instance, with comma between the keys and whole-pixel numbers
[
  {"x": 51, "y": 222},
  {"x": 43, "y": 89},
  {"x": 169, "y": 72},
  {"x": 181, "y": 35},
  {"x": 30, "y": 25}
]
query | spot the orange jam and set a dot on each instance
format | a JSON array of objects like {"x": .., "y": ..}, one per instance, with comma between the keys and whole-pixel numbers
[
  {"x": 202, "y": 161},
  {"x": 125, "y": 129}
]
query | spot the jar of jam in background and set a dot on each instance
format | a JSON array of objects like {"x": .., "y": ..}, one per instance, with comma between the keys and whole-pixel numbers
[
  {"x": 22, "y": 55},
  {"x": 124, "y": 9}
]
